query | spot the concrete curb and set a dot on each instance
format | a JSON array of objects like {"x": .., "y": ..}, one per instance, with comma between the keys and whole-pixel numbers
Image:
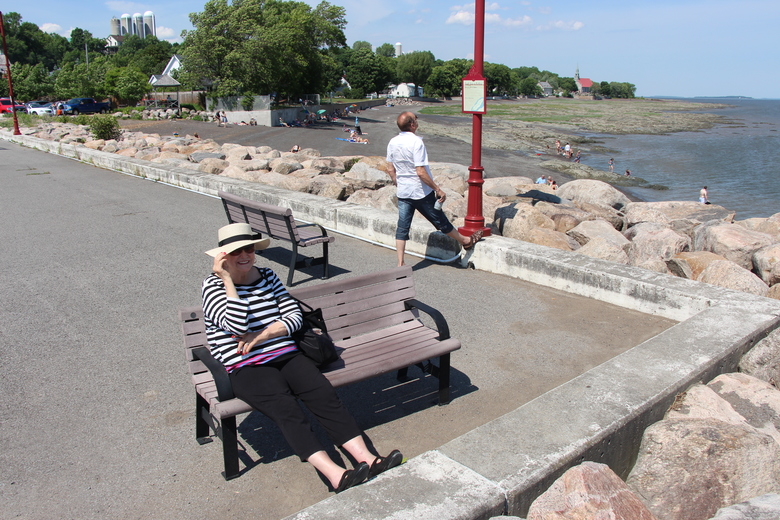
[{"x": 502, "y": 466}]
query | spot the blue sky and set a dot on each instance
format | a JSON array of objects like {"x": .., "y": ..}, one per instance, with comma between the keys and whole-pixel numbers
[{"x": 666, "y": 48}]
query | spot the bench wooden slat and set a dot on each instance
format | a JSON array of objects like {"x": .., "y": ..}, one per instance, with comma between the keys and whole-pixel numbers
[{"x": 314, "y": 292}]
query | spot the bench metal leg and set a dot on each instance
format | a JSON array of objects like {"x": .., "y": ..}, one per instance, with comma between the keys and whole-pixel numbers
[
  {"x": 230, "y": 447},
  {"x": 444, "y": 379},
  {"x": 293, "y": 262},
  {"x": 325, "y": 264},
  {"x": 201, "y": 424}
]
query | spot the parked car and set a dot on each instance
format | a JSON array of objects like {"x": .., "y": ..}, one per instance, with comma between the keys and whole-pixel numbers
[
  {"x": 6, "y": 107},
  {"x": 40, "y": 108},
  {"x": 78, "y": 106}
]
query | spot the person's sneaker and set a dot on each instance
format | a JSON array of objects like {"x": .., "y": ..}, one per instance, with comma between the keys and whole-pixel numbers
[{"x": 382, "y": 464}]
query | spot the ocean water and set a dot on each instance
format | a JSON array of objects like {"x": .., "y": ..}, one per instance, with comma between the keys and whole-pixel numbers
[{"x": 739, "y": 162}]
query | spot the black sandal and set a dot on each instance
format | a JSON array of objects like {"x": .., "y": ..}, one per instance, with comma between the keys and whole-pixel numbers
[
  {"x": 382, "y": 464},
  {"x": 353, "y": 477}
]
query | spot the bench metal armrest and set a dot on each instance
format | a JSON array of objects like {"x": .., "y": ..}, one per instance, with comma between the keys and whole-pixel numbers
[
  {"x": 218, "y": 372},
  {"x": 438, "y": 317}
]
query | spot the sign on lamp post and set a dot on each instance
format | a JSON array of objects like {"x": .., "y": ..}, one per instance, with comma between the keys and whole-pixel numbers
[{"x": 474, "y": 95}]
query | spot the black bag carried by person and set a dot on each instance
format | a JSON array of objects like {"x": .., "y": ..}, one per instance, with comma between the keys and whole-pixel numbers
[{"x": 313, "y": 339}]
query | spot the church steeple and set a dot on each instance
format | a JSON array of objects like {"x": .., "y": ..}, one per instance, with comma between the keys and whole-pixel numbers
[{"x": 577, "y": 73}]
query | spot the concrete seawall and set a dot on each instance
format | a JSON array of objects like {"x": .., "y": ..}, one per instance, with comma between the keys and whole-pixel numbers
[{"x": 500, "y": 467}]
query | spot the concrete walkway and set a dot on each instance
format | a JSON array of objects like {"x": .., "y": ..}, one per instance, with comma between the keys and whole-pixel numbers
[{"x": 97, "y": 408}]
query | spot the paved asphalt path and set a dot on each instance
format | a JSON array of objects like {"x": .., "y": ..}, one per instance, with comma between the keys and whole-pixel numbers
[{"x": 96, "y": 406}]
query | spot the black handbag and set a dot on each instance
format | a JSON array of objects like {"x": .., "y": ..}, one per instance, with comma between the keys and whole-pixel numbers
[{"x": 313, "y": 338}]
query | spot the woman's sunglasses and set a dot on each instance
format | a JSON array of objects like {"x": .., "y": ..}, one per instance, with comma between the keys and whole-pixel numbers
[{"x": 246, "y": 249}]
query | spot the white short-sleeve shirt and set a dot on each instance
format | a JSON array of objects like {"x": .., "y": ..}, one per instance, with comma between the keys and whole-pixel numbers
[{"x": 406, "y": 151}]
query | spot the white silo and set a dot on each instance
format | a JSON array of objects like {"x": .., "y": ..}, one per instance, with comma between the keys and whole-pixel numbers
[
  {"x": 138, "y": 24},
  {"x": 397, "y": 49},
  {"x": 115, "y": 27},
  {"x": 126, "y": 25},
  {"x": 149, "y": 27}
]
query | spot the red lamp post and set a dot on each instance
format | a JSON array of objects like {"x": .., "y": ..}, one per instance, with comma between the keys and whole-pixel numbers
[
  {"x": 474, "y": 102},
  {"x": 8, "y": 71}
]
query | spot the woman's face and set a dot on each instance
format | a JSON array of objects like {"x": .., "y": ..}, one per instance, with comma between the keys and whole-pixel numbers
[{"x": 241, "y": 260}]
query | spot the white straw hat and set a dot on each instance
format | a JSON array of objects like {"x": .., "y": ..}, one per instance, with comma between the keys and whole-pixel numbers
[{"x": 236, "y": 236}]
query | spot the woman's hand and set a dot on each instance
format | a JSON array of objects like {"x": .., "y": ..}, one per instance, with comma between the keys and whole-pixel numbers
[
  {"x": 251, "y": 339},
  {"x": 248, "y": 341},
  {"x": 219, "y": 266}
]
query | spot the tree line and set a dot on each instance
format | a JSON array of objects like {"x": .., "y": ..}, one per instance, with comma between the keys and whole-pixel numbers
[{"x": 247, "y": 48}]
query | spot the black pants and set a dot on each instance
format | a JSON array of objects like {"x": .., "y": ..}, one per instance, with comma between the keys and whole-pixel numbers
[{"x": 273, "y": 389}]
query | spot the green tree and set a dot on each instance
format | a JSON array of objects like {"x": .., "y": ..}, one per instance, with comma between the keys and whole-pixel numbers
[
  {"x": 31, "y": 81},
  {"x": 530, "y": 87},
  {"x": 360, "y": 44},
  {"x": 367, "y": 72},
  {"x": 82, "y": 80},
  {"x": 127, "y": 84},
  {"x": 604, "y": 89},
  {"x": 415, "y": 67},
  {"x": 567, "y": 85},
  {"x": 263, "y": 46},
  {"x": 500, "y": 79},
  {"x": 443, "y": 82},
  {"x": 622, "y": 90},
  {"x": 387, "y": 50}
]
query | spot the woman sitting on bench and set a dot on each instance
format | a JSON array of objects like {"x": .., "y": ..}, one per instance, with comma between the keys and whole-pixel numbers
[{"x": 249, "y": 316}]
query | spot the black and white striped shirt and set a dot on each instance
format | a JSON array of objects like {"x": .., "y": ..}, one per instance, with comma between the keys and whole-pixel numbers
[{"x": 259, "y": 305}]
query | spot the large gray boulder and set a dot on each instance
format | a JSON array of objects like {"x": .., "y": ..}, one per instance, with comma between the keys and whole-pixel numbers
[
  {"x": 725, "y": 273},
  {"x": 365, "y": 172},
  {"x": 587, "y": 492},
  {"x": 600, "y": 247},
  {"x": 687, "y": 469},
  {"x": 551, "y": 238},
  {"x": 692, "y": 263},
  {"x": 585, "y": 231},
  {"x": 665, "y": 212},
  {"x": 517, "y": 220},
  {"x": 652, "y": 242},
  {"x": 284, "y": 165},
  {"x": 755, "y": 400},
  {"x": 731, "y": 241},
  {"x": 330, "y": 186},
  {"x": 384, "y": 198},
  {"x": 763, "y": 360},
  {"x": 593, "y": 192},
  {"x": 766, "y": 264},
  {"x": 199, "y": 156},
  {"x": 212, "y": 165},
  {"x": 765, "y": 507},
  {"x": 611, "y": 215}
]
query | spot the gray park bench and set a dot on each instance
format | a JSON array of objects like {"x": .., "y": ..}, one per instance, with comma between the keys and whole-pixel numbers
[
  {"x": 374, "y": 321},
  {"x": 277, "y": 222}
]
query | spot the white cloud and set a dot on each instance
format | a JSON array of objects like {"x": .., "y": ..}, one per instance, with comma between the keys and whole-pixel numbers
[
  {"x": 512, "y": 22},
  {"x": 465, "y": 15},
  {"x": 562, "y": 26},
  {"x": 50, "y": 28},
  {"x": 462, "y": 17},
  {"x": 165, "y": 32}
]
